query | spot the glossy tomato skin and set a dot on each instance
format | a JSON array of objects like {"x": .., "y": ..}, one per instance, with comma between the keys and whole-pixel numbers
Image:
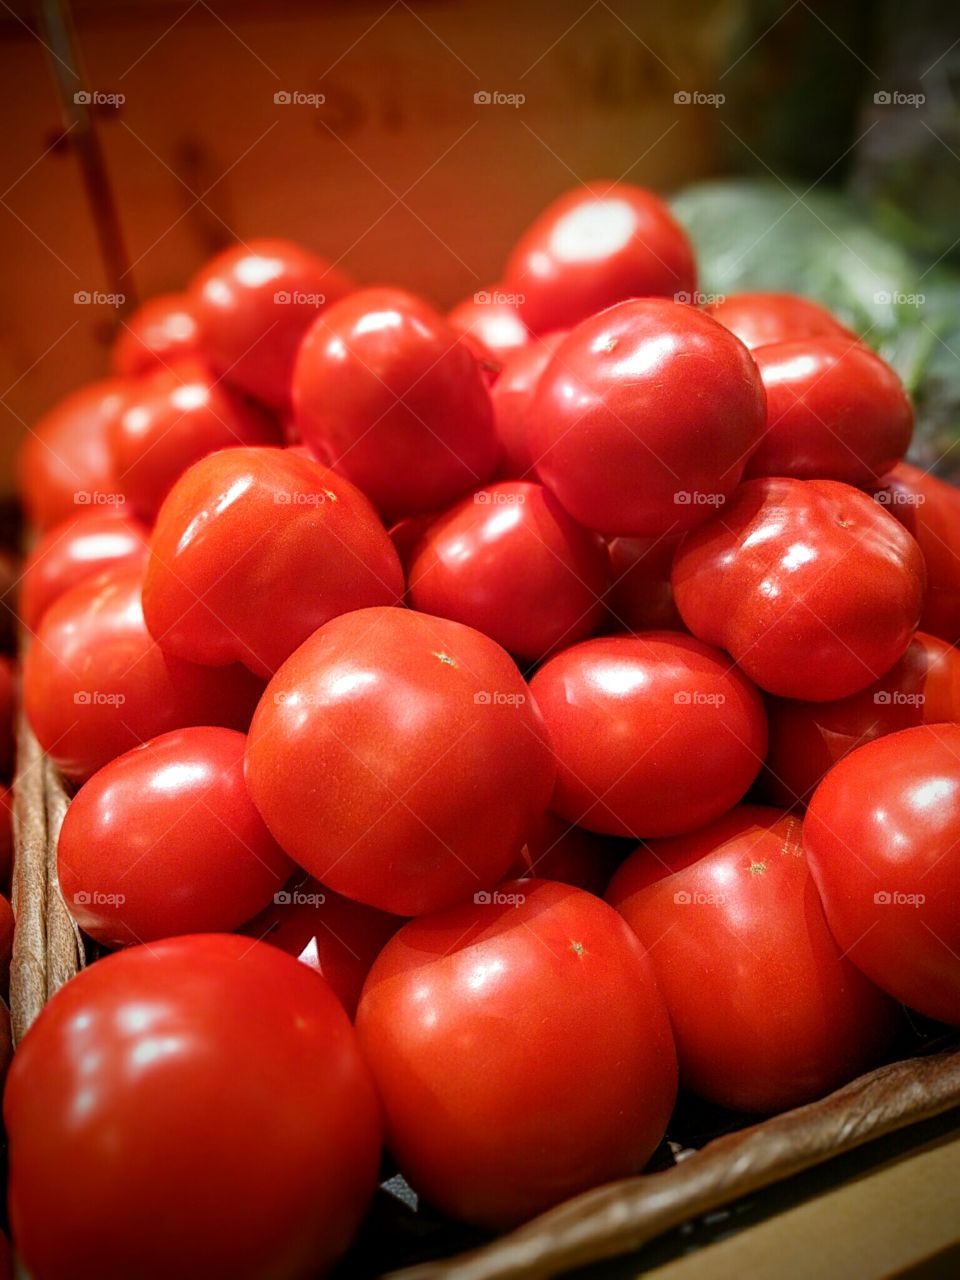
[
  {"x": 82, "y": 546},
  {"x": 241, "y": 1119},
  {"x": 766, "y": 1012},
  {"x": 176, "y": 417},
  {"x": 165, "y": 839},
  {"x": 640, "y": 597},
  {"x": 835, "y": 411},
  {"x": 556, "y": 850},
  {"x": 254, "y": 302},
  {"x": 808, "y": 584},
  {"x": 882, "y": 834},
  {"x": 595, "y": 246},
  {"x": 253, "y": 549},
  {"x": 643, "y": 420},
  {"x": 636, "y": 719},
  {"x": 491, "y": 316},
  {"x": 96, "y": 683},
  {"x": 761, "y": 318},
  {"x": 509, "y": 561},
  {"x": 400, "y": 759},
  {"x": 588, "y": 1042},
  {"x": 160, "y": 332},
  {"x": 512, "y": 395},
  {"x": 391, "y": 394},
  {"x": 808, "y": 738}
]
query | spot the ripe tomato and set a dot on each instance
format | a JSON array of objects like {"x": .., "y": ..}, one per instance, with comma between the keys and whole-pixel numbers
[
  {"x": 198, "y": 1107},
  {"x": 766, "y": 1012},
  {"x": 595, "y": 246},
  {"x": 521, "y": 1049},
  {"x": 6, "y": 943},
  {"x": 400, "y": 759},
  {"x": 810, "y": 586},
  {"x": 82, "y": 546},
  {"x": 555, "y": 850},
  {"x": 640, "y": 597},
  {"x": 509, "y": 561},
  {"x": 161, "y": 331},
  {"x": 644, "y": 418},
  {"x": 96, "y": 683},
  {"x": 760, "y": 318},
  {"x": 491, "y": 316},
  {"x": 176, "y": 417},
  {"x": 512, "y": 395},
  {"x": 253, "y": 550},
  {"x": 635, "y": 719},
  {"x": 6, "y": 838},
  {"x": 8, "y": 704},
  {"x": 883, "y": 837},
  {"x": 387, "y": 390},
  {"x": 835, "y": 411},
  {"x": 254, "y": 302},
  {"x": 808, "y": 738}
]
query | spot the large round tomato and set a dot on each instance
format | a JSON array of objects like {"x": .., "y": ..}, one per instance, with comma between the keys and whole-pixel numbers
[
  {"x": 194, "y": 1108},
  {"x": 809, "y": 585},
  {"x": 509, "y": 561},
  {"x": 491, "y": 316},
  {"x": 161, "y": 331},
  {"x": 400, "y": 759},
  {"x": 654, "y": 734},
  {"x": 254, "y": 549},
  {"x": 389, "y": 394},
  {"x": 766, "y": 1011},
  {"x": 595, "y": 246},
  {"x": 521, "y": 1049},
  {"x": 883, "y": 837},
  {"x": 643, "y": 420},
  {"x": 760, "y": 318},
  {"x": 96, "y": 683}
]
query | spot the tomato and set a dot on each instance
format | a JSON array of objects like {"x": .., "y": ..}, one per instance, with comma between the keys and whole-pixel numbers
[
  {"x": 6, "y": 941},
  {"x": 883, "y": 837},
  {"x": 643, "y": 420},
  {"x": 491, "y": 315},
  {"x": 176, "y": 417},
  {"x": 512, "y": 395},
  {"x": 65, "y": 461},
  {"x": 808, "y": 738},
  {"x": 6, "y": 838},
  {"x": 83, "y": 545},
  {"x": 389, "y": 393},
  {"x": 641, "y": 598},
  {"x": 196, "y": 1108},
  {"x": 835, "y": 411},
  {"x": 400, "y": 759},
  {"x": 555, "y": 850},
  {"x": 8, "y": 706},
  {"x": 406, "y": 535},
  {"x": 509, "y": 561},
  {"x": 521, "y": 1049},
  {"x": 96, "y": 683},
  {"x": 930, "y": 509},
  {"x": 337, "y": 937},
  {"x": 761, "y": 318},
  {"x": 595, "y": 246},
  {"x": 254, "y": 549},
  {"x": 161, "y": 331},
  {"x": 766, "y": 1011},
  {"x": 809, "y": 585},
  {"x": 653, "y": 734}
]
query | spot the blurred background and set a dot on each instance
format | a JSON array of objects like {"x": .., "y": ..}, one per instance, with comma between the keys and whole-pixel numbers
[{"x": 810, "y": 145}]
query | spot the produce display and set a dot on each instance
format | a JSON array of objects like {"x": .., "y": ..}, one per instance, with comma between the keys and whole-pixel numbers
[{"x": 484, "y": 730}]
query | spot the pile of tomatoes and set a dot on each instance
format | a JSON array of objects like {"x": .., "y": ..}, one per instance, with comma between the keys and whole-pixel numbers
[{"x": 481, "y": 727}]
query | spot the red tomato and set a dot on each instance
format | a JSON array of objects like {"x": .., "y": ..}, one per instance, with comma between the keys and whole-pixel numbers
[
  {"x": 406, "y": 534},
  {"x": 521, "y": 1049},
  {"x": 161, "y": 331},
  {"x": 641, "y": 598},
  {"x": 509, "y": 561},
  {"x": 810, "y": 586},
  {"x": 835, "y": 411},
  {"x": 6, "y": 941},
  {"x": 337, "y": 937},
  {"x": 883, "y": 837},
  {"x": 595, "y": 246},
  {"x": 96, "y": 683},
  {"x": 80, "y": 547},
  {"x": 255, "y": 302},
  {"x": 253, "y": 550},
  {"x": 6, "y": 838},
  {"x": 165, "y": 840},
  {"x": 400, "y": 759},
  {"x": 512, "y": 395},
  {"x": 492, "y": 316},
  {"x": 766, "y": 1012},
  {"x": 644, "y": 418},
  {"x": 385, "y": 388},
  {"x": 198, "y": 1107},
  {"x": 760, "y": 318},
  {"x": 8, "y": 704},
  {"x": 65, "y": 462},
  {"x": 653, "y": 734},
  {"x": 555, "y": 850},
  {"x": 808, "y": 738},
  {"x": 176, "y": 417}
]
